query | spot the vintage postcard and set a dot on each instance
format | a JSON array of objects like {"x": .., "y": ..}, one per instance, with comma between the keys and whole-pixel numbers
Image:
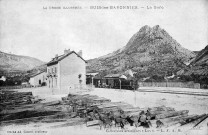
[{"x": 103, "y": 67}]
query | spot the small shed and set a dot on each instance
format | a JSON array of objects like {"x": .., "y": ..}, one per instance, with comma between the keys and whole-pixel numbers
[
  {"x": 90, "y": 78},
  {"x": 3, "y": 78},
  {"x": 38, "y": 79},
  {"x": 115, "y": 80},
  {"x": 125, "y": 80}
]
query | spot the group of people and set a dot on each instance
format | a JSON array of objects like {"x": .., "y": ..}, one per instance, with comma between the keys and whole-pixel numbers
[
  {"x": 121, "y": 119},
  {"x": 143, "y": 120}
]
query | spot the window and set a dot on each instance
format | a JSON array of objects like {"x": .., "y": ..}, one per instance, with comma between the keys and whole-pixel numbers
[
  {"x": 56, "y": 81},
  {"x": 55, "y": 70}
]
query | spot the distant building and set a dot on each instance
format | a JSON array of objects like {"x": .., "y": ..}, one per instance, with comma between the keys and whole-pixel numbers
[
  {"x": 90, "y": 78},
  {"x": 38, "y": 79},
  {"x": 66, "y": 71},
  {"x": 25, "y": 84},
  {"x": 3, "y": 78},
  {"x": 125, "y": 80},
  {"x": 115, "y": 80}
]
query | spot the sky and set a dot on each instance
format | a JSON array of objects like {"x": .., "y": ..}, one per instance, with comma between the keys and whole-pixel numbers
[{"x": 28, "y": 28}]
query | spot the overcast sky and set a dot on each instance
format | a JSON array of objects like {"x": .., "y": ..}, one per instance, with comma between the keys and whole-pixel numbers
[{"x": 28, "y": 29}]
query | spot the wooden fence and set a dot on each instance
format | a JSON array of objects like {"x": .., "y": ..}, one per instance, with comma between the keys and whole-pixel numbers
[{"x": 170, "y": 84}]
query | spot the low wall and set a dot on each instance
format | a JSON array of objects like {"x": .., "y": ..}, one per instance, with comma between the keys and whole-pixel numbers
[
  {"x": 14, "y": 87},
  {"x": 170, "y": 84}
]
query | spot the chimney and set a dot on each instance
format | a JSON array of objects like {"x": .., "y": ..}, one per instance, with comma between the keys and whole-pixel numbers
[
  {"x": 80, "y": 53},
  {"x": 66, "y": 51},
  {"x": 56, "y": 56}
]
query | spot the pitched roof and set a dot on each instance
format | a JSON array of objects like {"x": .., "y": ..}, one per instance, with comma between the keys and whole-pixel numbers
[
  {"x": 116, "y": 76},
  {"x": 61, "y": 57},
  {"x": 92, "y": 74},
  {"x": 128, "y": 75},
  {"x": 112, "y": 76}
]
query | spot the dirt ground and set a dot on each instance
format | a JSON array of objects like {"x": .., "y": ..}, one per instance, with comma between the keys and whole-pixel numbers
[{"x": 195, "y": 105}]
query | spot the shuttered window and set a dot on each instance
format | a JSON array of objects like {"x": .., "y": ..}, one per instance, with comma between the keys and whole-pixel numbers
[{"x": 55, "y": 70}]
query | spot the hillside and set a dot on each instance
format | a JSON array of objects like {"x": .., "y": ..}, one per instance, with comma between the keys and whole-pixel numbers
[
  {"x": 198, "y": 66},
  {"x": 35, "y": 70},
  {"x": 201, "y": 59},
  {"x": 151, "y": 51},
  {"x": 17, "y": 63},
  {"x": 197, "y": 70}
]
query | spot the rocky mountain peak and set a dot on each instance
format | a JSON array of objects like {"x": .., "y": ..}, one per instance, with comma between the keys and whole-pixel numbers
[
  {"x": 145, "y": 29},
  {"x": 157, "y": 39},
  {"x": 156, "y": 27},
  {"x": 150, "y": 50}
]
